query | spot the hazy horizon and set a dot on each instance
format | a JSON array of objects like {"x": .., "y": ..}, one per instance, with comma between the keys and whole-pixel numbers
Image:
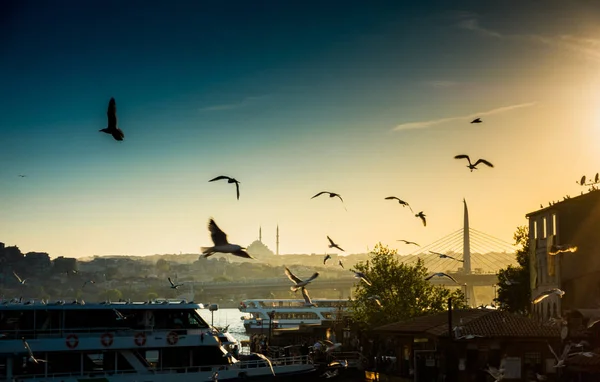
[{"x": 367, "y": 100}]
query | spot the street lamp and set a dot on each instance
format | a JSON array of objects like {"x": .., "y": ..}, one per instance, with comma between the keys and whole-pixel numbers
[{"x": 271, "y": 316}]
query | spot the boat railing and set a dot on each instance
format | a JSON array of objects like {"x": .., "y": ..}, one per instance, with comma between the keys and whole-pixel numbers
[
  {"x": 85, "y": 332},
  {"x": 248, "y": 364}
]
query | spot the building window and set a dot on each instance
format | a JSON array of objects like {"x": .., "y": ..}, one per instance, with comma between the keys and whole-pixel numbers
[
  {"x": 554, "y": 224},
  {"x": 532, "y": 359},
  {"x": 535, "y": 229},
  {"x": 544, "y": 227}
]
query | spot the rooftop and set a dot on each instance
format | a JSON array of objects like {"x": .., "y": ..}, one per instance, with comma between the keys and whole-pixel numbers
[{"x": 481, "y": 322}]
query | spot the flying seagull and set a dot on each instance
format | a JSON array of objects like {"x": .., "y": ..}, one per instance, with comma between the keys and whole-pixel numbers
[
  {"x": 376, "y": 299},
  {"x": 497, "y": 374},
  {"x": 22, "y": 176},
  {"x": 298, "y": 282},
  {"x": 422, "y": 216},
  {"x": 441, "y": 274},
  {"x": 547, "y": 293},
  {"x": 443, "y": 256},
  {"x": 112, "y": 128},
  {"x": 307, "y": 300},
  {"x": 476, "y": 120},
  {"x": 409, "y": 242},
  {"x": 363, "y": 277},
  {"x": 267, "y": 360},
  {"x": 511, "y": 282},
  {"x": 402, "y": 202},
  {"x": 230, "y": 180},
  {"x": 340, "y": 263},
  {"x": 327, "y": 257},
  {"x": 173, "y": 285},
  {"x": 473, "y": 166},
  {"x": 331, "y": 195},
  {"x": 556, "y": 249},
  {"x": 221, "y": 244},
  {"x": 21, "y": 281},
  {"x": 560, "y": 362},
  {"x": 334, "y": 245},
  {"x": 31, "y": 357}
]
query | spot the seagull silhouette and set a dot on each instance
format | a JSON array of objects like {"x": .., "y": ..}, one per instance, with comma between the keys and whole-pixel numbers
[
  {"x": 268, "y": 361},
  {"x": 556, "y": 249},
  {"x": 307, "y": 300},
  {"x": 297, "y": 281},
  {"x": 230, "y": 180},
  {"x": 173, "y": 285},
  {"x": 221, "y": 244},
  {"x": 21, "y": 281},
  {"x": 560, "y": 362},
  {"x": 112, "y": 128},
  {"x": 409, "y": 242},
  {"x": 31, "y": 358},
  {"x": 362, "y": 276},
  {"x": 327, "y": 257},
  {"x": 376, "y": 299},
  {"x": 88, "y": 282},
  {"x": 22, "y": 176},
  {"x": 441, "y": 274},
  {"x": 443, "y": 256},
  {"x": 476, "y": 120},
  {"x": 400, "y": 201},
  {"x": 334, "y": 245},
  {"x": 473, "y": 166},
  {"x": 331, "y": 195},
  {"x": 547, "y": 293},
  {"x": 422, "y": 216},
  {"x": 582, "y": 181}
]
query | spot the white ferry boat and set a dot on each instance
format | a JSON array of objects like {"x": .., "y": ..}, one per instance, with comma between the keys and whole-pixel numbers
[
  {"x": 125, "y": 342},
  {"x": 289, "y": 313}
]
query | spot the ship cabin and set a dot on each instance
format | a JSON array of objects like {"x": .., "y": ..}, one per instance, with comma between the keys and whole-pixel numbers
[{"x": 93, "y": 339}]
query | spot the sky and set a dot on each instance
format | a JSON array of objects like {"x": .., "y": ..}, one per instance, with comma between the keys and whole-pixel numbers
[{"x": 365, "y": 99}]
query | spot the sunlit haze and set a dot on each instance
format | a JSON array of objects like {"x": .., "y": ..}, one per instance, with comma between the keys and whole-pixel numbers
[{"x": 365, "y": 99}]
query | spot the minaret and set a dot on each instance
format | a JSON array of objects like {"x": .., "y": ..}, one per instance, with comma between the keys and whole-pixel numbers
[
  {"x": 260, "y": 234},
  {"x": 277, "y": 241},
  {"x": 466, "y": 243}
]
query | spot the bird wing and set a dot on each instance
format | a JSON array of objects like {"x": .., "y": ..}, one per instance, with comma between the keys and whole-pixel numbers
[
  {"x": 28, "y": 348},
  {"x": 423, "y": 220},
  {"x": 311, "y": 278},
  {"x": 340, "y": 263},
  {"x": 340, "y": 248},
  {"x": 437, "y": 253},
  {"x": 365, "y": 279},
  {"x": 306, "y": 296},
  {"x": 237, "y": 189},
  {"x": 330, "y": 241},
  {"x": 541, "y": 296},
  {"x": 463, "y": 156},
  {"x": 450, "y": 277},
  {"x": 391, "y": 197},
  {"x": 292, "y": 276},
  {"x": 17, "y": 276},
  {"x": 484, "y": 162},
  {"x": 338, "y": 195},
  {"x": 429, "y": 277},
  {"x": 597, "y": 178},
  {"x": 218, "y": 237},
  {"x": 267, "y": 360},
  {"x": 242, "y": 253},
  {"x": 172, "y": 284},
  {"x": 326, "y": 258},
  {"x": 111, "y": 113},
  {"x": 219, "y": 178},
  {"x": 566, "y": 351},
  {"x": 582, "y": 180},
  {"x": 320, "y": 193}
]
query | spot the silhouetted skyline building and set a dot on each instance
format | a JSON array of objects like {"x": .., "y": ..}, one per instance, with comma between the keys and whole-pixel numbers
[{"x": 574, "y": 222}]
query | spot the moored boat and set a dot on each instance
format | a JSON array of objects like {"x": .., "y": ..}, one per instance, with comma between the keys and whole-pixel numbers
[{"x": 125, "y": 342}]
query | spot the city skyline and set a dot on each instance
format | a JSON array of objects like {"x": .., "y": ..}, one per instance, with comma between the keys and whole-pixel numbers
[{"x": 365, "y": 100}]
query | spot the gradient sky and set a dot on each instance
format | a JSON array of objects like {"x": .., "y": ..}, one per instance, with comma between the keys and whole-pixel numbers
[{"x": 367, "y": 99}]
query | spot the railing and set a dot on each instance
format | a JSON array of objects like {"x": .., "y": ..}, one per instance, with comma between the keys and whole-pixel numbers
[
  {"x": 61, "y": 333},
  {"x": 250, "y": 364}
]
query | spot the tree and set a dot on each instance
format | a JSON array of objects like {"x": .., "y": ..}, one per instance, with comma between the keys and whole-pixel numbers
[
  {"x": 514, "y": 293},
  {"x": 402, "y": 289}
]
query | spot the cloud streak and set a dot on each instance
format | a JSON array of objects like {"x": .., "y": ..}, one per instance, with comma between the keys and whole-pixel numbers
[
  {"x": 235, "y": 105},
  {"x": 586, "y": 46},
  {"x": 434, "y": 122}
]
